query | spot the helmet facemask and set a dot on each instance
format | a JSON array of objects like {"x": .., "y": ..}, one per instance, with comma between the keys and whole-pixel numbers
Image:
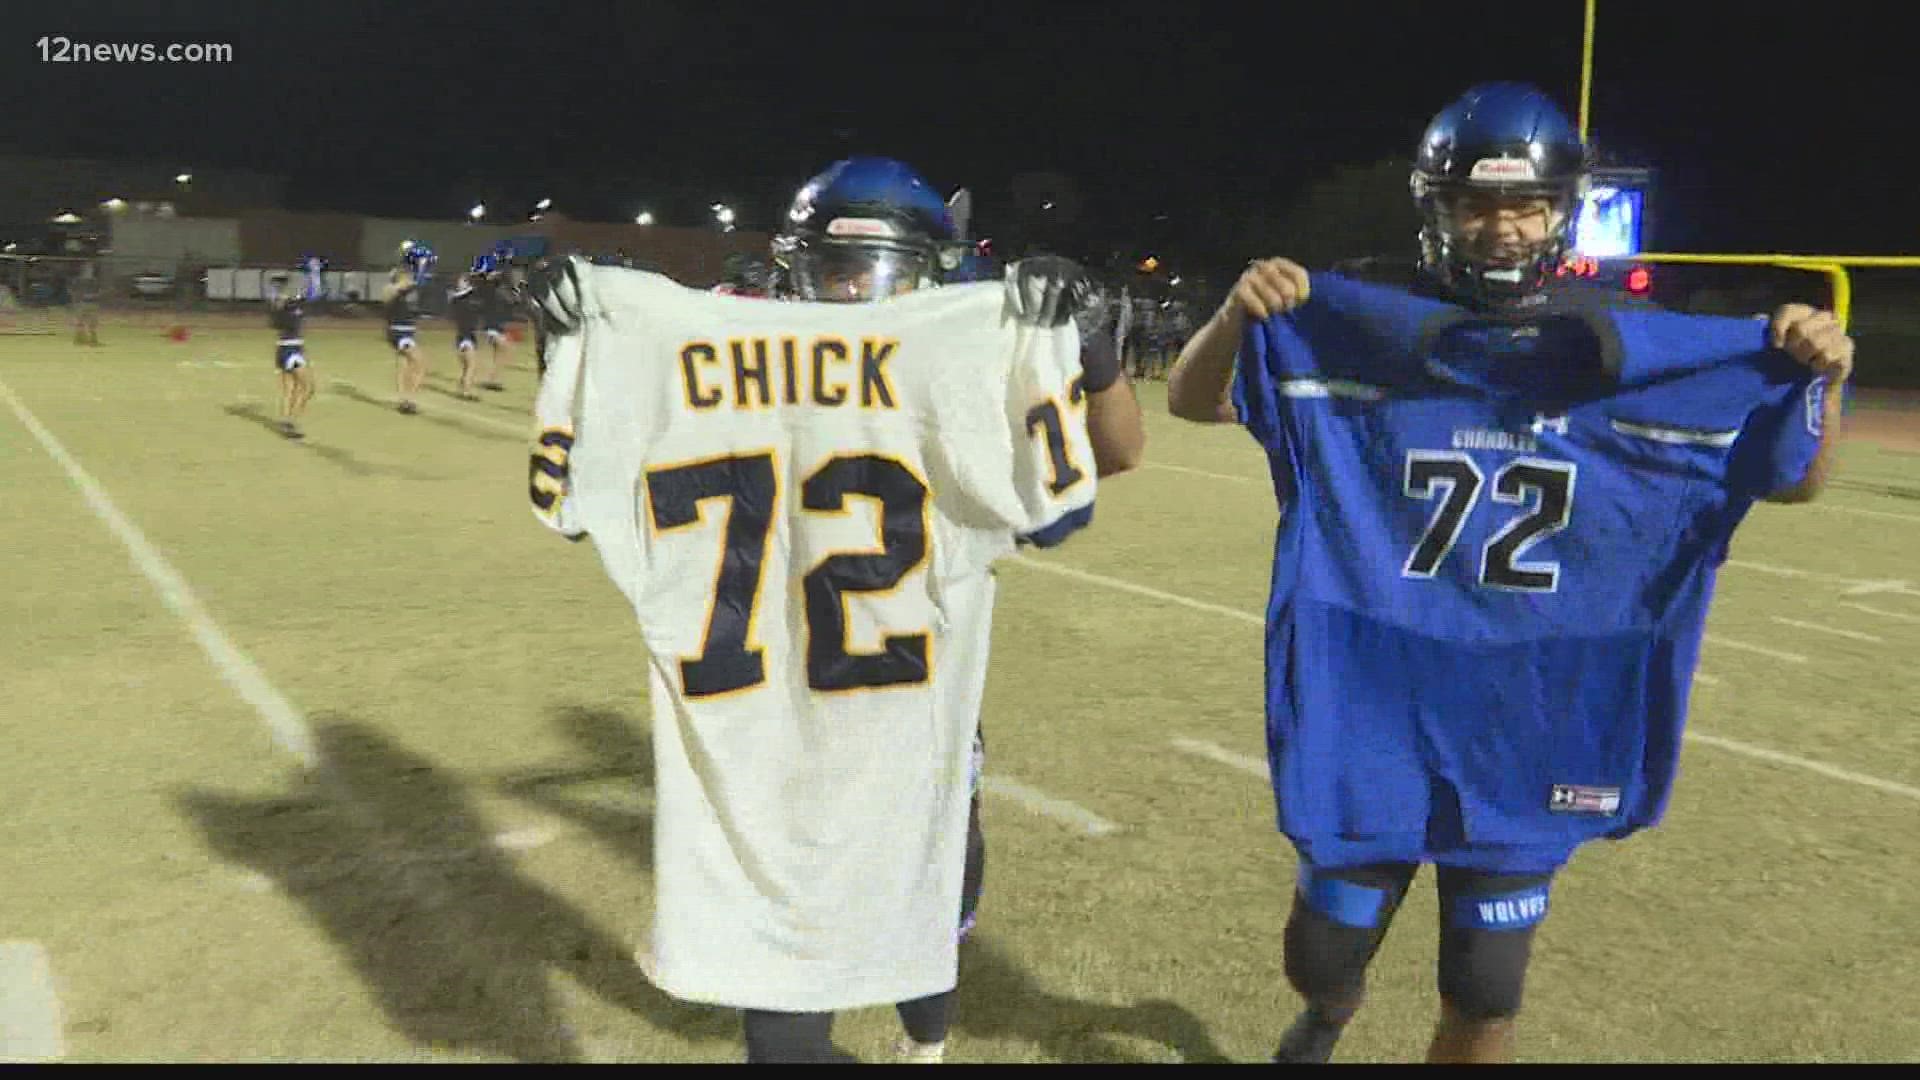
[
  {"x": 1498, "y": 265},
  {"x": 842, "y": 272}
]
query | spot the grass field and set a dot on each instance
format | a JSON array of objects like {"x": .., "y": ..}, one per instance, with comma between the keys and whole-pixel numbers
[{"x": 467, "y": 877}]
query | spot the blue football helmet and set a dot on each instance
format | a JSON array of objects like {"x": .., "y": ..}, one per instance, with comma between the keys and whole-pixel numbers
[
  {"x": 1498, "y": 139},
  {"x": 864, "y": 229},
  {"x": 419, "y": 258},
  {"x": 485, "y": 264}
]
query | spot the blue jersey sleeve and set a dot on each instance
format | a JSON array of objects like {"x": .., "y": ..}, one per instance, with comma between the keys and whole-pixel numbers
[
  {"x": 1780, "y": 438},
  {"x": 1719, "y": 364},
  {"x": 1256, "y": 399}
]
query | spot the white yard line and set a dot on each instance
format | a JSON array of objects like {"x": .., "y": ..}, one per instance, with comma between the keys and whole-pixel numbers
[
  {"x": 1246, "y": 763},
  {"x": 1199, "y": 472},
  {"x": 1865, "y": 513},
  {"x": 1883, "y": 614},
  {"x": 1050, "y": 567},
  {"x": 526, "y": 839},
  {"x": 1835, "y": 631},
  {"x": 1810, "y": 765},
  {"x": 1048, "y": 806},
  {"x": 284, "y": 721},
  {"x": 1777, "y": 654},
  {"x": 31, "y": 1030},
  {"x": 1853, "y": 586},
  {"x": 289, "y": 729}
]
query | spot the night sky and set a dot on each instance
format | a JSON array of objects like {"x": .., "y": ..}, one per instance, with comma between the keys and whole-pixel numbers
[{"x": 1770, "y": 132}]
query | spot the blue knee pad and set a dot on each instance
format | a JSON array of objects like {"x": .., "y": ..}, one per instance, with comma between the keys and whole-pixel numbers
[
  {"x": 1348, "y": 903},
  {"x": 1335, "y": 927}
]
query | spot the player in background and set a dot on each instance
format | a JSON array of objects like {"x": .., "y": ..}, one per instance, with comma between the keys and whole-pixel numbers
[
  {"x": 865, "y": 230},
  {"x": 1485, "y": 681},
  {"x": 496, "y": 310},
  {"x": 85, "y": 294},
  {"x": 286, "y": 313},
  {"x": 468, "y": 310},
  {"x": 402, "y": 299},
  {"x": 741, "y": 276}
]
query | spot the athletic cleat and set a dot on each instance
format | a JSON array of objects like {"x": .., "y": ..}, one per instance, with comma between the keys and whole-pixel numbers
[
  {"x": 492, "y": 386},
  {"x": 908, "y": 1052},
  {"x": 1310, "y": 1041},
  {"x": 409, "y": 408}
]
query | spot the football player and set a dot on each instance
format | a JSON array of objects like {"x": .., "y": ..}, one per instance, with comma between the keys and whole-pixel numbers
[
  {"x": 468, "y": 310},
  {"x": 85, "y": 293},
  {"x": 402, "y": 299},
  {"x": 1473, "y": 661},
  {"x": 863, "y": 232},
  {"x": 496, "y": 310},
  {"x": 287, "y": 312}
]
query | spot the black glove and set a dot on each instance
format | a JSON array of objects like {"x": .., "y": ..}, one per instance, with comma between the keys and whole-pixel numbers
[
  {"x": 1048, "y": 290},
  {"x": 1051, "y": 289},
  {"x": 1099, "y": 362},
  {"x": 556, "y": 294}
]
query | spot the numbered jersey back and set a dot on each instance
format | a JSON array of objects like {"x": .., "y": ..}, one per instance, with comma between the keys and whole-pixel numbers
[{"x": 802, "y": 501}]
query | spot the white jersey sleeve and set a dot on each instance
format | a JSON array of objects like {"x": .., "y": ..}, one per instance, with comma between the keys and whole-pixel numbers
[
  {"x": 1014, "y": 461},
  {"x": 1046, "y": 407},
  {"x": 556, "y": 411}
]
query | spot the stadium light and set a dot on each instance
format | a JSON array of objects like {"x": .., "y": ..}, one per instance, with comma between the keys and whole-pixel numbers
[
  {"x": 543, "y": 204},
  {"x": 1174, "y": 280},
  {"x": 724, "y": 215},
  {"x": 479, "y": 211},
  {"x": 10, "y": 248},
  {"x": 183, "y": 178},
  {"x": 645, "y": 218},
  {"x": 113, "y": 205},
  {"x": 66, "y": 217},
  {"x": 1048, "y": 205}
]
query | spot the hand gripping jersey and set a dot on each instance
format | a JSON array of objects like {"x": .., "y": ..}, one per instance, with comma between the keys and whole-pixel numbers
[
  {"x": 1496, "y": 551},
  {"x": 802, "y": 502}
]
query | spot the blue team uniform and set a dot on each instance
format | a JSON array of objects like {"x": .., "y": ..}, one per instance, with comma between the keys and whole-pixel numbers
[{"x": 1497, "y": 546}]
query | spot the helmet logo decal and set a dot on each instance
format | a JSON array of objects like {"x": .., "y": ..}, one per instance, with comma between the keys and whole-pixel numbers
[
  {"x": 868, "y": 227},
  {"x": 1503, "y": 169}
]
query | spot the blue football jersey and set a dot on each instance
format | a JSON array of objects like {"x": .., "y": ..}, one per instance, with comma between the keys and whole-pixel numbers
[{"x": 1497, "y": 545}]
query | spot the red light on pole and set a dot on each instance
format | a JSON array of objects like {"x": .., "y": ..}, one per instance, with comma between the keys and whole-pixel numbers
[{"x": 1639, "y": 281}]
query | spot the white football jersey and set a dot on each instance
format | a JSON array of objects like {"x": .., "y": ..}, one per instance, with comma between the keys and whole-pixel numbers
[{"x": 802, "y": 502}]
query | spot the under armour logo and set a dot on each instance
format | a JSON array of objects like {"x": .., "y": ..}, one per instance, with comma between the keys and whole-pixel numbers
[{"x": 1541, "y": 422}]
